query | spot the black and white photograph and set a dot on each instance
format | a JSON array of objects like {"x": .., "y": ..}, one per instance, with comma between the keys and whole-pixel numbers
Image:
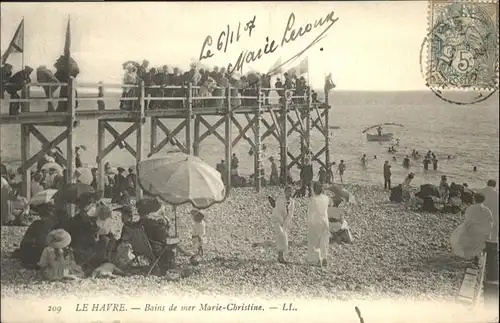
[{"x": 322, "y": 161}]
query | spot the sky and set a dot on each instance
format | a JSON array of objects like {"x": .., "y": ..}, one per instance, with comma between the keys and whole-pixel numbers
[{"x": 373, "y": 46}]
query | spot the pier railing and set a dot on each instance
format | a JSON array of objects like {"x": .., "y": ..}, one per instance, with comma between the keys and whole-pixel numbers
[{"x": 191, "y": 93}]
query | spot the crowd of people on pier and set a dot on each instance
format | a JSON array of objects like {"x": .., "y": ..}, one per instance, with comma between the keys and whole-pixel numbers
[
  {"x": 211, "y": 82},
  {"x": 13, "y": 83},
  {"x": 208, "y": 82}
]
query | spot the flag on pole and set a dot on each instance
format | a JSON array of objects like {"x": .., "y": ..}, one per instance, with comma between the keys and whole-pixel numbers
[
  {"x": 304, "y": 66},
  {"x": 329, "y": 85},
  {"x": 67, "y": 46},
  {"x": 276, "y": 68},
  {"x": 16, "y": 44}
]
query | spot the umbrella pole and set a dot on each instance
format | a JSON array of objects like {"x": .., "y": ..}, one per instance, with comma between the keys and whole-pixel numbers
[{"x": 175, "y": 219}]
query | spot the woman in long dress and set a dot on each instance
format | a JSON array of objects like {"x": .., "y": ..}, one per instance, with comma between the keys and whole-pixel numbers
[
  {"x": 468, "y": 239},
  {"x": 281, "y": 218},
  {"x": 318, "y": 233}
]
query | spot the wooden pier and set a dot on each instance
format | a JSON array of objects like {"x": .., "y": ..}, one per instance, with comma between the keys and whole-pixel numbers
[{"x": 287, "y": 117}]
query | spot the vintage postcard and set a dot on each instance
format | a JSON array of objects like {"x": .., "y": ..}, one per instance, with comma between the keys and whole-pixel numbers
[{"x": 249, "y": 161}]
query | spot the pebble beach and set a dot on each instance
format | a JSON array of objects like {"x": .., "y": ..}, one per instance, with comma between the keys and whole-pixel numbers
[{"x": 397, "y": 253}]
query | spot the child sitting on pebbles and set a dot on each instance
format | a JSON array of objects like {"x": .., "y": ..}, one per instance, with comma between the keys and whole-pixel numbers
[
  {"x": 104, "y": 225},
  {"x": 124, "y": 250},
  {"x": 57, "y": 261},
  {"x": 339, "y": 230},
  {"x": 198, "y": 231}
]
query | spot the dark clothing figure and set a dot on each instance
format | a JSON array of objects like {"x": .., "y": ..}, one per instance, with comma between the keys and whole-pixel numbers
[
  {"x": 83, "y": 230},
  {"x": 78, "y": 161},
  {"x": 35, "y": 240},
  {"x": 306, "y": 176},
  {"x": 435, "y": 164},
  {"x": 281, "y": 93},
  {"x": 131, "y": 179},
  {"x": 428, "y": 190},
  {"x": 120, "y": 189},
  {"x": 387, "y": 176},
  {"x": 6, "y": 72},
  {"x": 221, "y": 168},
  {"x": 157, "y": 232},
  {"x": 426, "y": 163},
  {"x": 62, "y": 73},
  {"x": 17, "y": 83},
  {"x": 322, "y": 175},
  {"x": 406, "y": 162},
  {"x": 329, "y": 174},
  {"x": 396, "y": 194},
  {"x": 235, "y": 162}
]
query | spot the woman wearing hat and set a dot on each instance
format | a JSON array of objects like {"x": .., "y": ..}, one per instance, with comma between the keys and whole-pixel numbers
[
  {"x": 35, "y": 238},
  {"x": 130, "y": 78},
  {"x": 57, "y": 261},
  {"x": 83, "y": 230}
]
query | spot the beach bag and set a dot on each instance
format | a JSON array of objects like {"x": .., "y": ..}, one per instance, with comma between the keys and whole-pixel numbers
[
  {"x": 429, "y": 205},
  {"x": 396, "y": 194},
  {"x": 272, "y": 201}
]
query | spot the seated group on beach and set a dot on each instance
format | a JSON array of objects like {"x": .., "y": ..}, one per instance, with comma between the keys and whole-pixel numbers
[
  {"x": 211, "y": 82},
  {"x": 479, "y": 209},
  {"x": 64, "y": 247}
]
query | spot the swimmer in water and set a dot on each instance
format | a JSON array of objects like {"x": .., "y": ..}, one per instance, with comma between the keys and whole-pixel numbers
[
  {"x": 406, "y": 162},
  {"x": 363, "y": 159},
  {"x": 474, "y": 169},
  {"x": 374, "y": 156}
]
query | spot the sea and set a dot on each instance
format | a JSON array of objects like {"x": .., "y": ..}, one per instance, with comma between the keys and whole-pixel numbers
[{"x": 462, "y": 137}]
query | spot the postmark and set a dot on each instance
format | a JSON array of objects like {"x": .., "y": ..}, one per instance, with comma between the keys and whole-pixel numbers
[{"x": 462, "y": 50}]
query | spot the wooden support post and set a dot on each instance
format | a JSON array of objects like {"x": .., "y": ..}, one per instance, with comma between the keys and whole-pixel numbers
[
  {"x": 228, "y": 140},
  {"x": 257, "y": 157},
  {"x": 139, "y": 140},
  {"x": 284, "y": 144},
  {"x": 189, "y": 118},
  {"x": 154, "y": 134},
  {"x": 490, "y": 284},
  {"x": 308, "y": 124},
  {"x": 70, "y": 145},
  {"x": 196, "y": 139},
  {"x": 25, "y": 148},
  {"x": 327, "y": 129},
  {"x": 101, "y": 144}
]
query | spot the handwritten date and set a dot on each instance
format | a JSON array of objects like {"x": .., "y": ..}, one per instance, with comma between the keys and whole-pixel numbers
[{"x": 226, "y": 37}]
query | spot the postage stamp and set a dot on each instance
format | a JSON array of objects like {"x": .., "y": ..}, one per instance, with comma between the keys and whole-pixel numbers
[{"x": 462, "y": 45}]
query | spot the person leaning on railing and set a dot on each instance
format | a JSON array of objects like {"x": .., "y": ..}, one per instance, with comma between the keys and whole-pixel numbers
[
  {"x": 16, "y": 84},
  {"x": 44, "y": 75},
  {"x": 6, "y": 75}
]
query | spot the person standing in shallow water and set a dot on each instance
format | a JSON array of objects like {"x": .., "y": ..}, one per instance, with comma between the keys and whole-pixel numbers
[
  {"x": 426, "y": 162},
  {"x": 387, "y": 175},
  {"x": 341, "y": 170},
  {"x": 281, "y": 218}
]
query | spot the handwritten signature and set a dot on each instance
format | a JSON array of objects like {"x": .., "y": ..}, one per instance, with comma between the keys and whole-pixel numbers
[{"x": 290, "y": 35}]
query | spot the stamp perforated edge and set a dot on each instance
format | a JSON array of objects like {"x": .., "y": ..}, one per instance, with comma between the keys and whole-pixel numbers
[{"x": 430, "y": 26}]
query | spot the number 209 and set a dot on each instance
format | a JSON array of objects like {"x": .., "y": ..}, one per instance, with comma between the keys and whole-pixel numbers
[{"x": 56, "y": 309}]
